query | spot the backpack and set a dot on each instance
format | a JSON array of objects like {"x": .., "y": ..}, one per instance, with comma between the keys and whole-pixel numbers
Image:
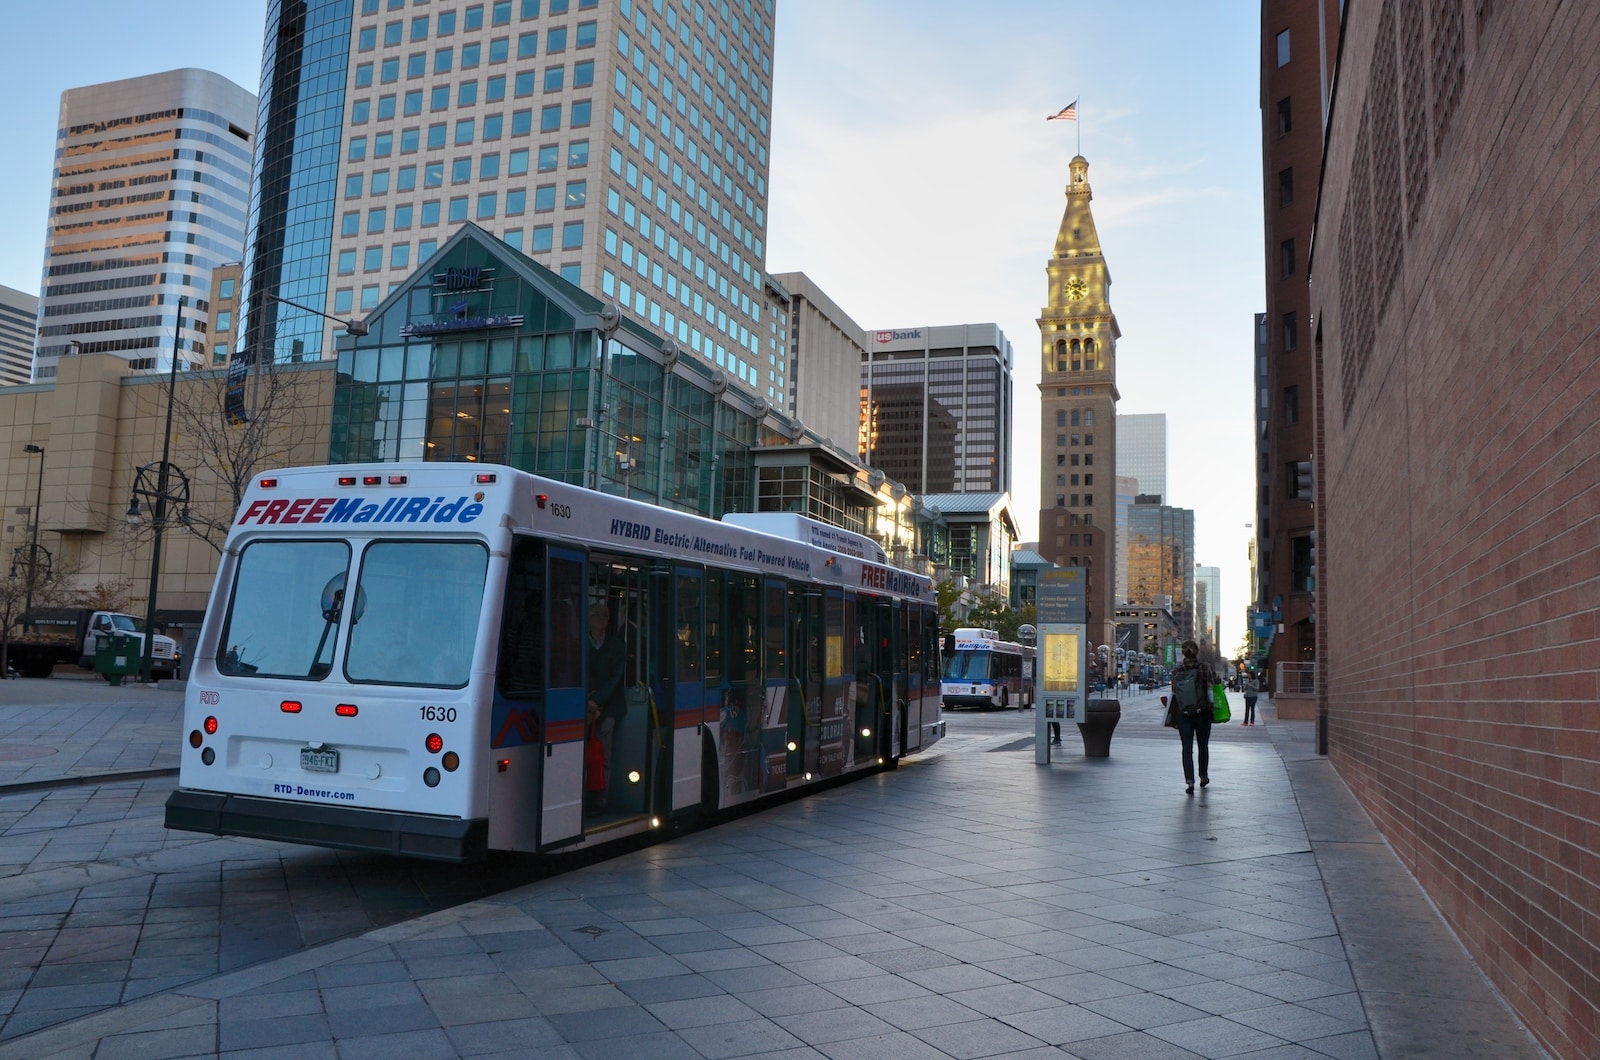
[{"x": 1188, "y": 691}]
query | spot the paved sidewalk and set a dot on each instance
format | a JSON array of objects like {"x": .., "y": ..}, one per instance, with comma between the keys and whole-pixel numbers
[{"x": 969, "y": 904}]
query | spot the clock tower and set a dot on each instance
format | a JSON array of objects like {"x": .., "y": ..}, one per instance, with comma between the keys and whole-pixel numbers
[{"x": 1078, "y": 406}]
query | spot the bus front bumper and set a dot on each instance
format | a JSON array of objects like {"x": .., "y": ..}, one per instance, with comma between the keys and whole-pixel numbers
[{"x": 341, "y": 827}]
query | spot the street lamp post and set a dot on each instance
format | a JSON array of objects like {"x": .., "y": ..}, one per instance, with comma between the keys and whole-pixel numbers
[
  {"x": 33, "y": 540},
  {"x": 159, "y": 498}
]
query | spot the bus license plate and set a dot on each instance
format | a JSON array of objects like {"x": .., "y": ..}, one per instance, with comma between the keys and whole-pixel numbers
[{"x": 323, "y": 761}]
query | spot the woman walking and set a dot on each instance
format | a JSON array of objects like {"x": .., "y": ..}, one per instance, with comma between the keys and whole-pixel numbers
[
  {"x": 1251, "y": 691},
  {"x": 1191, "y": 696}
]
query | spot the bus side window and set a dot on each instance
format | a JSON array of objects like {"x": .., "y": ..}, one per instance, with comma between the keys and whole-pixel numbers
[{"x": 521, "y": 670}]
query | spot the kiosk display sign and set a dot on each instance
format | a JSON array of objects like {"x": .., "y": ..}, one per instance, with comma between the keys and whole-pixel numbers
[{"x": 1063, "y": 662}]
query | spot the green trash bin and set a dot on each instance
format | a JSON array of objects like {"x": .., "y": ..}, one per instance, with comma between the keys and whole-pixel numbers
[{"x": 116, "y": 657}]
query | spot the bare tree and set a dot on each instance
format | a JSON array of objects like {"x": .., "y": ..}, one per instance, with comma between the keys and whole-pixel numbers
[{"x": 228, "y": 442}]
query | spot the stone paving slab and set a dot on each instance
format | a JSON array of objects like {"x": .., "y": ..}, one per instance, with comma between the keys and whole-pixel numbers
[{"x": 970, "y": 903}]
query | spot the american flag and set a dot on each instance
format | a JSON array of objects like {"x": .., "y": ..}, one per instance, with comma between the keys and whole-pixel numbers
[{"x": 1067, "y": 113}]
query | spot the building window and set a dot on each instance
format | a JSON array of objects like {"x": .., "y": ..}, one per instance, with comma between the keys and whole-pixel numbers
[
  {"x": 1291, "y": 406},
  {"x": 458, "y": 209},
  {"x": 1285, "y": 121},
  {"x": 372, "y": 260},
  {"x": 1286, "y": 258},
  {"x": 1283, "y": 48},
  {"x": 1291, "y": 331},
  {"x": 572, "y": 235},
  {"x": 1286, "y": 186},
  {"x": 550, "y": 118}
]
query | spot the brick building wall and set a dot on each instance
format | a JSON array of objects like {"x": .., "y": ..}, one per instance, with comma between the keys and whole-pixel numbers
[{"x": 1454, "y": 291}]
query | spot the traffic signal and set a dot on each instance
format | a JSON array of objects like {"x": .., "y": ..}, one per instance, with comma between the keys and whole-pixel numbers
[{"x": 1303, "y": 485}]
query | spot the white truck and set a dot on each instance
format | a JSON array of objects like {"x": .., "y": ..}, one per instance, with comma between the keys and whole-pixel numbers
[{"x": 73, "y": 635}]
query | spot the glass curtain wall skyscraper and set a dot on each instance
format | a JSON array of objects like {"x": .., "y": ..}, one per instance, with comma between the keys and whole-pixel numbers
[
  {"x": 620, "y": 143},
  {"x": 1142, "y": 451}
]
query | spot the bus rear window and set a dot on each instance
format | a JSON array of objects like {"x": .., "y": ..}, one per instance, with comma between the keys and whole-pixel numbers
[
  {"x": 422, "y": 601},
  {"x": 284, "y": 614}
]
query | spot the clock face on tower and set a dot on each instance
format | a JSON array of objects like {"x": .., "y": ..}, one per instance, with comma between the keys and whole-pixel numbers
[{"x": 1076, "y": 288}]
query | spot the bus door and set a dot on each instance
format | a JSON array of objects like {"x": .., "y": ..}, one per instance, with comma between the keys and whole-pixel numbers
[
  {"x": 630, "y": 656},
  {"x": 742, "y": 705},
  {"x": 562, "y": 764},
  {"x": 804, "y": 714},
  {"x": 836, "y": 706},
  {"x": 685, "y": 660}
]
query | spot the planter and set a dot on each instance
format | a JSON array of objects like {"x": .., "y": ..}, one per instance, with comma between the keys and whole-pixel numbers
[{"x": 1099, "y": 722}]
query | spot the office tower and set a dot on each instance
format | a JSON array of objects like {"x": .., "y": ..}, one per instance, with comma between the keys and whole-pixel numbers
[
  {"x": 1142, "y": 451},
  {"x": 1208, "y": 608},
  {"x": 1078, "y": 335},
  {"x": 936, "y": 408},
  {"x": 1127, "y": 490},
  {"x": 224, "y": 316},
  {"x": 821, "y": 372},
  {"x": 1300, "y": 43},
  {"x": 151, "y": 184},
  {"x": 1161, "y": 558},
  {"x": 19, "y": 314},
  {"x": 620, "y": 143}
]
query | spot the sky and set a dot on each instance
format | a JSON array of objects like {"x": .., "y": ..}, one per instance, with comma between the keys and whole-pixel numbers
[{"x": 914, "y": 179}]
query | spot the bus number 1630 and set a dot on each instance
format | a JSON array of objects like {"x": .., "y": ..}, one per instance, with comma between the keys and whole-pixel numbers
[{"x": 444, "y": 714}]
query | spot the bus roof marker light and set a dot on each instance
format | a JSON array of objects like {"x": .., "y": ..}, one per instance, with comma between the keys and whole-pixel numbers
[
  {"x": 397, "y": 480},
  {"x": 372, "y": 480},
  {"x": 541, "y": 499},
  {"x": 347, "y": 480},
  {"x": 268, "y": 483},
  {"x": 484, "y": 478}
]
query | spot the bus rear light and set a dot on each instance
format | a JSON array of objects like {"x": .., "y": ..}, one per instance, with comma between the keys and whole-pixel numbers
[
  {"x": 268, "y": 483},
  {"x": 290, "y": 706},
  {"x": 397, "y": 480},
  {"x": 210, "y": 726},
  {"x": 451, "y": 761},
  {"x": 484, "y": 478},
  {"x": 541, "y": 499},
  {"x": 347, "y": 480},
  {"x": 345, "y": 710},
  {"x": 502, "y": 765},
  {"x": 372, "y": 480},
  {"x": 195, "y": 739},
  {"x": 434, "y": 743}
]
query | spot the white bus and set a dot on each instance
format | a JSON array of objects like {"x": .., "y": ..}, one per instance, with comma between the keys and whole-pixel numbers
[
  {"x": 981, "y": 670},
  {"x": 394, "y": 660}
]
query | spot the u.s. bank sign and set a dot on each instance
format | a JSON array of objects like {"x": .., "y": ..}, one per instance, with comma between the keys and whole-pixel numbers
[{"x": 898, "y": 336}]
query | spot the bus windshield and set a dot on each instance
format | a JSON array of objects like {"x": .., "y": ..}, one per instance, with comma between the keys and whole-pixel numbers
[
  {"x": 422, "y": 603},
  {"x": 967, "y": 666},
  {"x": 276, "y": 622}
]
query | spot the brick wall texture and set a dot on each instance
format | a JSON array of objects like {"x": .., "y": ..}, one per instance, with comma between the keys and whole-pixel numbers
[{"x": 1456, "y": 291}]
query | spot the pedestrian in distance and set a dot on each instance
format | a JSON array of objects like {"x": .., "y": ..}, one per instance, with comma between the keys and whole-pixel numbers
[
  {"x": 1251, "y": 690},
  {"x": 1191, "y": 697}
]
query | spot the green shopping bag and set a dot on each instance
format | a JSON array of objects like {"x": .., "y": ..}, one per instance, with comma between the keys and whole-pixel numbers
[{"x": 1219, "y": 703}]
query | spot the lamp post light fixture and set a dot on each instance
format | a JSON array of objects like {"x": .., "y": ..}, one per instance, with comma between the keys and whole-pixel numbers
[{"x": 159, "y": 493}]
